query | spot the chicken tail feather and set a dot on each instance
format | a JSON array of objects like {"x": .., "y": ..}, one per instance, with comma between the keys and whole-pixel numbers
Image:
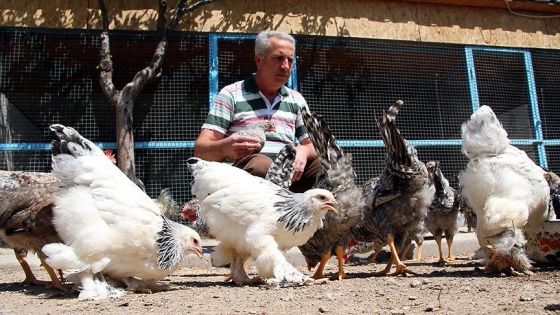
[
  {"x": 400, "y": 154},
  {"x": 322, "y": 138},
  {"x": 282, "y": 168}
]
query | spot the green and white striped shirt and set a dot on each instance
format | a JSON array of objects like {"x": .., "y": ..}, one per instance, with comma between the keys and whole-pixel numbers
[{"x": 240, "y": 105}]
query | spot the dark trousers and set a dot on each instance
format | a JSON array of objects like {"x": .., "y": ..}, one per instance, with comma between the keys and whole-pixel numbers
[{"x": 258, "y": 165}]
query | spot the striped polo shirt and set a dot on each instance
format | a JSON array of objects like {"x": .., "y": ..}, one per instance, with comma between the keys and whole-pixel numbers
[{"x": 240, "y": 105}]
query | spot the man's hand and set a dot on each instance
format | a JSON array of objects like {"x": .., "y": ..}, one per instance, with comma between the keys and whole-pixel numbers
[
  {"x": 240, "y": 146},
  {"x": 299, "y": 163}
]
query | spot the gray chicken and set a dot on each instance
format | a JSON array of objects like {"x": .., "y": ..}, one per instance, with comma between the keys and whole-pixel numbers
[
  {"x": 398, "y": 201},
  {"x": 417, "y": 235},
  {"x": 336, "y": 175},
  {"x": 259, "y": 131},
  {"x": 26, "y": 200},
  {"x": 443, "y": 213}
]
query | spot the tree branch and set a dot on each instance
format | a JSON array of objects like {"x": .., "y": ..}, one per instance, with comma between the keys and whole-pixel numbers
[
  {"x": 181, "y": 10},
  {"x": 105, "y": 66}
]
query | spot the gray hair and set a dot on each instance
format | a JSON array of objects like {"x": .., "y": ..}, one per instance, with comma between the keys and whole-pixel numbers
[{"x": 262, "y": 43}]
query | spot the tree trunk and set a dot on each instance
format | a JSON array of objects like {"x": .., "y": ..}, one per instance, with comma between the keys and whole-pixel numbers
[{"x": 123, "y": 101}]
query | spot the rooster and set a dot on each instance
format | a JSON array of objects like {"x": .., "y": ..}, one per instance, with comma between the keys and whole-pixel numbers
[
  {"x": 505, "y": 188},
  {"x": 191, "y": 212},
  {"x": 444, "y": 212},
  {"x": 398, "y": 200},
  {"x": 26, "y": 225},
  {"x": 336, "y": 175},
  {"x": 109, "y": 226},
  {"x": 254, "y": 218}
]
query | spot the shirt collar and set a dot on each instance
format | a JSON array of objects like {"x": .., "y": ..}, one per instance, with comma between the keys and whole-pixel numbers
[{"x": 251, "y": 86}]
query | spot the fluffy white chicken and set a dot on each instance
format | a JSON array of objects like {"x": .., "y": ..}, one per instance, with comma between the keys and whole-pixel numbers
[
  {"x": 254, "y": 218},
  {"x": 506, "y": 190},
  {"x": 109, "y": 225}
]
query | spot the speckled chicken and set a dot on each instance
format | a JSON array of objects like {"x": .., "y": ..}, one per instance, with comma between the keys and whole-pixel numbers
[
  {"x": 336, "y": 175},
  {"x": 554, "y": 184},
  {"x": 443, "y": 213},
  {"x": 26, "y": 200},
  {"x": 259, "y": 131},
  {"x": 505, "y": 188},
  {"x": 398, "y": 201},
  {"x": 467, "y": 211}
]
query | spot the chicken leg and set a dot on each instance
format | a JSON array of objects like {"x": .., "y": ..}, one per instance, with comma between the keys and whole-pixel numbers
[
  {"x": 401, "y": 268},
  {"x": 340, "y": 259},
  {"x": 55, "y": 281},
  {"x": 320, "y": 269},
  {"x": 29, "y": 276},
  {"x": 407, "y": 248},
  {"x": 449, "y": 240},
  {"x": 441, "y": 260}
]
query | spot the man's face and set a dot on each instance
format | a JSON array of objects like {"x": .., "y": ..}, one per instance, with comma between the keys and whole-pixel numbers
[{"x": 276, "y": 66}]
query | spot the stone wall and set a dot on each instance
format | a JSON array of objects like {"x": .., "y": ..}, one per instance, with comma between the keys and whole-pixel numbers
[{"x": 383, "y": 19}]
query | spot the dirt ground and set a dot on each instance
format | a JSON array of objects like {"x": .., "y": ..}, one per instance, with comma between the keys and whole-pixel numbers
[{"x": 458, "y": 288}]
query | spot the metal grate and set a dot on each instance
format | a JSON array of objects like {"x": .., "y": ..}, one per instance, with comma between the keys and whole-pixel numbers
[{"x": 49, "y": 76}]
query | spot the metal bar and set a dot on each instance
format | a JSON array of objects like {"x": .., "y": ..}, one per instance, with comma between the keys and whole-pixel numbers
[
  {"x": 537, "y": 123},
  {"x": 101, "y": 145},
  {"x": 475, "y": 102},
  {"x": 212, "y": 68},
  {"x": 342, "y": 143}
]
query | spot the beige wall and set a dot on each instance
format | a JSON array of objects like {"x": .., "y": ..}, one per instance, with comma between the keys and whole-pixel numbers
[{"x": 384, "y": 19}]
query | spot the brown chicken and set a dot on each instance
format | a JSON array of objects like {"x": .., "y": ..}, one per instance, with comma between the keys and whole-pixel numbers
[{"x": 26, "y": 218}]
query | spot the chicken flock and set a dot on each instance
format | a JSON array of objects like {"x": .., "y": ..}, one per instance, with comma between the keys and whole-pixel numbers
[{"x": 91, "y": 226}]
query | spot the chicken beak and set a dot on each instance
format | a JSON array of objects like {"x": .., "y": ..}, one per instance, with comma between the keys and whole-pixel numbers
[
  {"x": 272, "y": 128},
  {"x": 197, "y": 251},
  {"x": 330, "y": 206}
]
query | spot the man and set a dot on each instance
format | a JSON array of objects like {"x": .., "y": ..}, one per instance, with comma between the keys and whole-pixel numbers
[{"x": 262, "y": 96}]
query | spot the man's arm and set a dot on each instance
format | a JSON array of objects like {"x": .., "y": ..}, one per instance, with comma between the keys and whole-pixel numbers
[{"x": 212, "y": 145}]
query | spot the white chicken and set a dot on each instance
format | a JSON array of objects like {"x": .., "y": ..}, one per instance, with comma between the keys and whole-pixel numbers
[
  {"x": 254, "y": 218},
  {"x": 109, "y": 225},
  {"x": 506, "y": 190}
]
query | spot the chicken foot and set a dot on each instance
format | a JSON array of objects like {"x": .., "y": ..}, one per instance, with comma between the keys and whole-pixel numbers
[
  {"x": 407, "y": 248},
  {"x": 239, "y": 275},
  {"x": 450, "y": 257},
  {"x": 320, "y": 269},
  {"x": 55, "y": 281},
  {"x": 29, "y": 276},
  {"x": 340, "y": 259},
  {"x": 401, "y": 268}
]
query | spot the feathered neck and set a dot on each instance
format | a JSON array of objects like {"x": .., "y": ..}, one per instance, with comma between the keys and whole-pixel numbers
[
  {"x": 483, "y": 135},
  {"x": 170, "y": 247},
  {"x": 296, "y": 216}
]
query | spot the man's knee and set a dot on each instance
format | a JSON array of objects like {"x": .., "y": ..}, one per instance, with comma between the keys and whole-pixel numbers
[{"x": 255, "y": 164}]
